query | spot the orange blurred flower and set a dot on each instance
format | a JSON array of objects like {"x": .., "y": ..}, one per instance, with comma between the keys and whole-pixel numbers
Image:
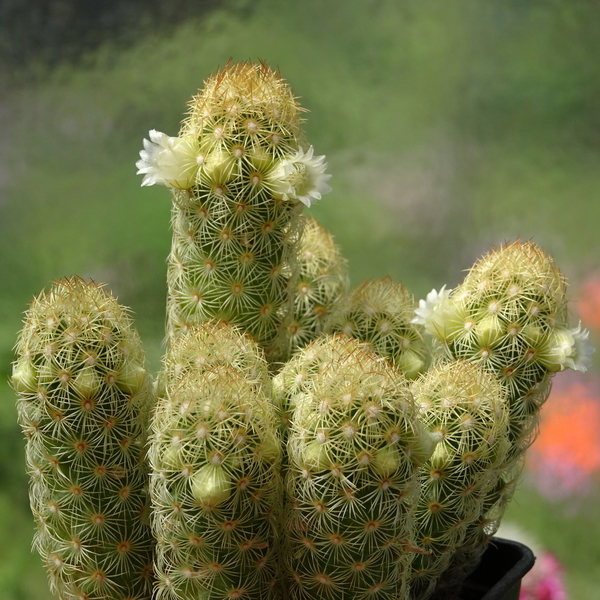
[
  {"x": 565, "y": 458},
  {"x": 589, "y": 302}
]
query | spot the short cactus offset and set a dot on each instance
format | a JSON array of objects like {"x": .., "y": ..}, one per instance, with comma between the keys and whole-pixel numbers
[
  {"x": 379, "y": 313},
  {"x": 320, "y": 288},
  {"x": 352, "y": 482},
  {"x": 84, "y": 395},
  {"x": 466, "y": 407},
  {"x": 239, "y": 172},
  {"x": 215, "y": 485}
]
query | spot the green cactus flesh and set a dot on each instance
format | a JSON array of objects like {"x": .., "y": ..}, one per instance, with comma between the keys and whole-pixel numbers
[
  {"x": 215, "y": 484},
  {"x": 84, "y": 396},
  {"x": 235, "y": 232},
  {"x": 379, "y": 313},
  {"x": 465, "y": 406},
  {"x": 352, "y": 481}
]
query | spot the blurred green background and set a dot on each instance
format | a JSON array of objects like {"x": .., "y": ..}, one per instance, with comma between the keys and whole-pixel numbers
[{"x": 449, "y": 127}]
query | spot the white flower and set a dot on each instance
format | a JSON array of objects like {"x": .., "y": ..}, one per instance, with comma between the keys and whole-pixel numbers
[
  {"x": 431, "y": 311},
  {"x": 580, "y": 358},
  {"x": 302, "y": 177},
  {"x": 568, "y": 349},
  {"x": 170, "y": 161}
]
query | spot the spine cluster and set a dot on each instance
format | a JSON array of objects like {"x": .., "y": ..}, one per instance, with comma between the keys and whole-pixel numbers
[{"x": 84, "y": 397}]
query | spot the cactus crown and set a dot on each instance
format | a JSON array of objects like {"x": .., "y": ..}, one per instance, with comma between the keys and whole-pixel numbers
[
  {"x": 246, "y": 105},
  {"x": 380, "y": 313},
  {"x": 515, "y": 280},
  {"x": 214, "y": 343}
]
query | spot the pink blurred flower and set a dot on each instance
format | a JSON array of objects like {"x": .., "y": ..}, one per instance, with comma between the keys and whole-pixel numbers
[{"x": 545, "y": 580}]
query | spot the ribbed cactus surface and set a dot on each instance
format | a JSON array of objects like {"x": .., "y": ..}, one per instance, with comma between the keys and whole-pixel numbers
[
  {"x": 465, "y": 407},
  {"x": 84, "y": 396},
  {"x": 215, "y": 485},
  {"x": 351, "y": 483}
]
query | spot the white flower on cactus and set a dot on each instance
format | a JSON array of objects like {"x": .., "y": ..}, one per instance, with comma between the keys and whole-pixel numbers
[
  {"x": 580, "y": 358},
  {"x": 169, "y": 161},
  {"x": 430, "y": 312},
  {"x": 568, "y": 349},
  {"x": 302, "y": 177}
]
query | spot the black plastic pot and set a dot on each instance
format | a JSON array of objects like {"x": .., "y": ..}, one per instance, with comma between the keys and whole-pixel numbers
[{"x": 498, "y": 576}]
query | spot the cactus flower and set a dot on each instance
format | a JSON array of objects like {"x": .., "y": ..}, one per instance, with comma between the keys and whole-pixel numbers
[{"x": 169, "y": 161}]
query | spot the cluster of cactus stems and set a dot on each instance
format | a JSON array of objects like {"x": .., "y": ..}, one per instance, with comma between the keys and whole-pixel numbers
[{"x": 301, "y": 440}]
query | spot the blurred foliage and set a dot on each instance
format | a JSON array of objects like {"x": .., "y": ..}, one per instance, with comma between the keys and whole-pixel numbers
[
  {"x": 36, "y": 35},
  {"x": 448, "y": 127}
]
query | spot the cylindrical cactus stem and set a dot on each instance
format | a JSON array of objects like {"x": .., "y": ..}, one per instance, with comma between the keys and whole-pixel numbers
[
  {"x": 351, "y": 486},
  {"x": 215, "y": 485},
  {"x": 320, "y": 289},
  {"x": 465, "y": 406},
  {"x": 84, "y": 398},
  {"x": 477, "y": 537},
  {"x": 239, "y": 171},
  {"x": 380, "y": 313}
]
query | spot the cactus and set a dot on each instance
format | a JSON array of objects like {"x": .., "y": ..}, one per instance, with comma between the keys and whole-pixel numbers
[
  {"x": 215, "y": 484},
  {"x": 466, "y": 407},
  {"x": 354, "y": 444},
  {"x": 509, "y": 316},
  {"x": 380, "y": 313},
  {"x": 321, "y": 287},
  {"x": 212, "y": 344},
  {"x": 239, "y": 172},
  {"x": 324, "y": 482},
  {"x": 84, "y": 395}
]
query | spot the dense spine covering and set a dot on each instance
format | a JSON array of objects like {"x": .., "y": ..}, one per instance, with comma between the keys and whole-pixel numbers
[
  {"x": 352, "y": 480},
  {"x": 84, "y": 397},
  {"x": 215, "y": 485},
  {"x": 239, "y": 172},
  {"x": 212, "y": 344},
  {"x": 379, "y": 313},
  {"x": 464, "y": 406},
  {"x": 320, "y": 289}
]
